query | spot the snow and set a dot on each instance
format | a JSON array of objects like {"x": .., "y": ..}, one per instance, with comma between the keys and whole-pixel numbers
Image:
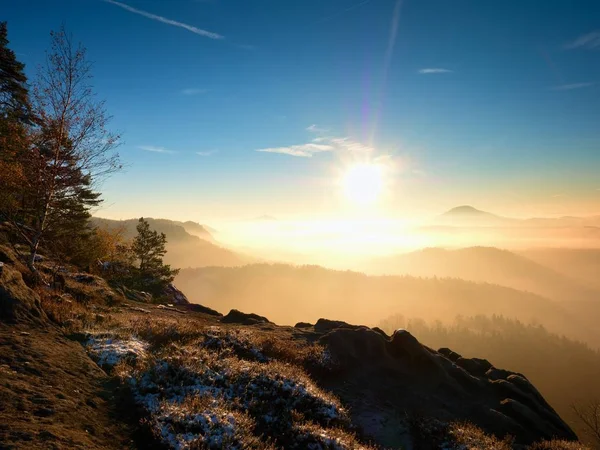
[{"x": 109, "y": 351}]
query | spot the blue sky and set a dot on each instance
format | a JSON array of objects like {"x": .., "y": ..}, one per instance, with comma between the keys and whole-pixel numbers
[{"x": 237, "y": 108}]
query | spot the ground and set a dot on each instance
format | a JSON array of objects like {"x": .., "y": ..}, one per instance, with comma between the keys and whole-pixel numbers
[{"x": 54, "y": 396}]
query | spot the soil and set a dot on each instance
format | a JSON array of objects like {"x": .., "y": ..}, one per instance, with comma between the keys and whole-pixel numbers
[{"x": 53, "y": 396}]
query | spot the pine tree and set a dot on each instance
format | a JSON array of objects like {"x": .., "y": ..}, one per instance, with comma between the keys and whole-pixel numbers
[
  {"x": 149, "y": 250},
  {"x": 14, "y": 95},
  {"x": 69, "y": 150},
  {"x": 15, "y": 116}
]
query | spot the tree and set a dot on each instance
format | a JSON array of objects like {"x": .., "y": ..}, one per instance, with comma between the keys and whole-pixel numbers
[
  {"x": 149, "y": 250},
  {"x": 15, "y": 116},
  {"x": 14, "y": 95},
  {"x": 70, "y": 150}
]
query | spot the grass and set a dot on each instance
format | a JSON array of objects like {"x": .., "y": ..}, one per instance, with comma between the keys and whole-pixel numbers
[{"x": 213, "y": 387}]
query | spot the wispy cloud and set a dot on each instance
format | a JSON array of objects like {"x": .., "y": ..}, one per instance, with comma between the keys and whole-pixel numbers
[
  {"x": 304, "y": 150},
  {"x": 569, "y": 87},
  {"x": 320, "y": 145},
  {"x": 194, "y": 91},
  {"x": 154, "y": 149},
  {"x": 207, "y": 153},
  {"x": 167, "y": 21},
  {"x": 590, "y": 41},
  {"x": 432, "y": 70},
  {"x": 316, "y": 129}
]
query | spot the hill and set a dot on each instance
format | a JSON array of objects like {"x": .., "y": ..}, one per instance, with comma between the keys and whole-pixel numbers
[
  {"x": 188, "y": 244},
  {"x": 156, "y": 376},
  {"x": 488, "y": 265},
  {"x": 290, "y": 294},
  {"x": 468, "y": 216},
  {"x": 581, "y": 264}
]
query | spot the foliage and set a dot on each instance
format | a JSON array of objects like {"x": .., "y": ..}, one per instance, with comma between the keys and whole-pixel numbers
[
  {"x": 15, "y": 112},
  {"x": 64, "y": 153},
  {"x": 149, "y": 249}
]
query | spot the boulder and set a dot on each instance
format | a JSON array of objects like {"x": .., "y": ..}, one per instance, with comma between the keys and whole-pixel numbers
[
  {"x": 235, "y": 316},
  {"x": 136, "y": 296},
  {"x": 302, "y": 325},
  {"x": 194, "y": 307},
  {"x": 415, "y": 379},
  {"x": 326, "y": 325},
  {"x": 175, "y": 296},
  {"x": 18, "y": 303}
]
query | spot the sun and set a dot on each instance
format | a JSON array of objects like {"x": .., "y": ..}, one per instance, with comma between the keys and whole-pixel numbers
[{"x": 363, "y": 183}]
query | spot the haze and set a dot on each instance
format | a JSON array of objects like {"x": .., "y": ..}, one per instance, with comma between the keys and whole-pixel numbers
[{"x": 423, "y": 164}]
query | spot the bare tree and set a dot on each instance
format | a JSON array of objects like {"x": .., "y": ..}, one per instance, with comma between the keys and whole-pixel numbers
[
  {"x": 589, "y": 415},
  {"x": 70, "y": 148}
]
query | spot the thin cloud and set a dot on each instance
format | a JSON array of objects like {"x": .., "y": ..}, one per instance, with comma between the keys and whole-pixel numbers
[
  {"x": 316, "y": 129},
  {"x": 194, "y": 91},
  {"x": 319, "y": 145},
  {"x": 154, "y": 149},
  {"x": 304, "y": 150},
  {"x": 350, "y": 145},
  {"x": 174, "y": 23},
  {"x": 569, "y": 87},
  {"x": 590, "y": 41},
  {"x": 207, "y": 153},
  {"x": 432, "y": 70}
]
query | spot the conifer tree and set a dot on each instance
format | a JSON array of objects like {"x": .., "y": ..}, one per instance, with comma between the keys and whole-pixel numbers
[{"x": 149, "y": 250}]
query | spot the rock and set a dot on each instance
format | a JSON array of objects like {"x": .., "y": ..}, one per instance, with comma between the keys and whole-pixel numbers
[
  {"x": 441, "y": 385},
  {"x": 17, "y": 301},
  {"x": 85, "y": 278},
  {"x": 194, "y": 307},
  {"x": 451, "y": 355},
  {"x": 136, "y": 296},
  {"x": 475, "y": 366},
  {"x": 326, "y": 325},
  {"x": 235, "y": 316},
  {"x": 175, "y": 296},
  {"x": 303, "y": 325}
]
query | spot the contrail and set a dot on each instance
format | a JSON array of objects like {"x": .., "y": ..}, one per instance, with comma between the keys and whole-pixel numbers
[
  {"x": 174, "y": 23},
  {"x": 386, "y": 64}
]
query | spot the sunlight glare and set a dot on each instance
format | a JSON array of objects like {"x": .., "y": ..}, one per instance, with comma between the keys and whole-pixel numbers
[{"x": 363, "y": 183}]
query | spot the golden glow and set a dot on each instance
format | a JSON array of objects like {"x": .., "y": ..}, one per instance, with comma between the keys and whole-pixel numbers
[{"x": 363, "y": 183}]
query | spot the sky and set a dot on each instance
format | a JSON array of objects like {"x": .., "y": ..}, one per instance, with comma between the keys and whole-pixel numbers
[{"x": 231, "y": 109}]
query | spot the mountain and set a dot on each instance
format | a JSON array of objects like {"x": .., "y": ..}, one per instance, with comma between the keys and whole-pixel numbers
[
  {"x": 194, "y": 228},
  {"x": 290, "y": 294},
  {"x": 159, "y": 376},
  {"x": 488, "y": 265},
  {"x": 265, "y": 218},
  {"x": 581, "y": 264},
  {"x": 468, "y": 216},
  {"x": 195, "y": 248}
]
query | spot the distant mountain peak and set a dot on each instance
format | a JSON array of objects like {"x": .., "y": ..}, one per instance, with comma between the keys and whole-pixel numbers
[
  {"x": 465, "y": 210},
  {"x": 266, "y": 218}
]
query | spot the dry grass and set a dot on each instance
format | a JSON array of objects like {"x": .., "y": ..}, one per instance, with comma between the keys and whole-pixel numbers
[
  {"x": 558, "y": 445},
  {"x": 469, "y": 436}
]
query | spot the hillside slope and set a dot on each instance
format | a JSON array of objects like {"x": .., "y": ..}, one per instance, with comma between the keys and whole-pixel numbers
[
  {"x": 186, "y": 380},
  {"x": 195, "y": 248},
  {"x": 489, "y": 265},
  {"x": 290, "y": 294}
]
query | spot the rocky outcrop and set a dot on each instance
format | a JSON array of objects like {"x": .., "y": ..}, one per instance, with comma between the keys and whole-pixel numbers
[
  {"x": 412, "y": 379},
  {"x": 235, "y": 316},
  {"x": 17, "y": 301},
  {"x": 175, "y": 296},
  {"x": 194, "y": 307}
]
